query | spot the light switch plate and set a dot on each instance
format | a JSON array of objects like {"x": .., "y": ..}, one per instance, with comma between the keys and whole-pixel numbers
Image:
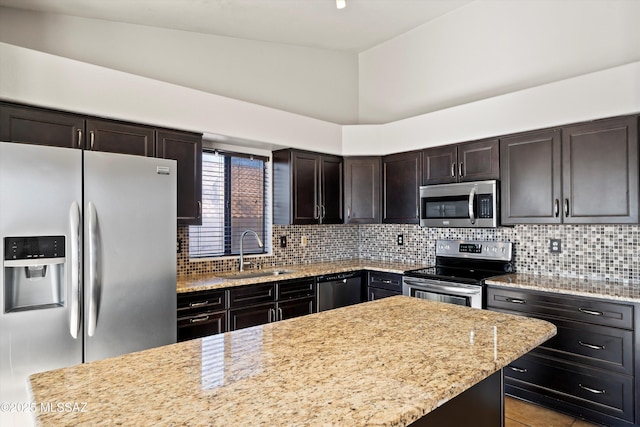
[
  {"x": 555, "y": 246},
  {"x": 400, "y": 239}
]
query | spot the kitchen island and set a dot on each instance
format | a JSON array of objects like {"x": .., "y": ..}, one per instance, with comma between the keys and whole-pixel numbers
[{"x": 387, "y": 362}]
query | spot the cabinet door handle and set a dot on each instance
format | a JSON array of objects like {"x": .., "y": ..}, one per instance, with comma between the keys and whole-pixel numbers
[
  {"x": 566, "y": 207},
  {"x": 199, "y": 319},
  {"x": 460, "y": 169},
  {"x": 92, "y": 138},
  {"x": 79, "y": 138},
  {"x": 516, "y": 369},
  {"x": 317, "y": 212},
  {"x": 198, "y": 304},
  {"x": 348, "y": 212},
  {"x": 592, "y": 390},
  {"x": 591, "y": 346},
  {"x": 453, "y": 170},
  {"x": 280, "y": 313},
  {"x": 556, "y": 208},
  {"x": 591, "y": 312},
  {"x": 324, "y": 212},
  {"x": 516, "y": 300},
  {"x": 199, "y": 209}
]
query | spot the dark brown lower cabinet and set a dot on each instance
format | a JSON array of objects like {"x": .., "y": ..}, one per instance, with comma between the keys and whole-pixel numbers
[
  {"x": 382, "y": 285},
  {"x": 241, "y": 318},
  {"x": 590, "y": 368},
  {"x": 201, "y": 314}
]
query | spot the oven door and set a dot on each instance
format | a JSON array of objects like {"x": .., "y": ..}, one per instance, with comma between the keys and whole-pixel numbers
[
  {"x": 467, "y": 204},
  {"x": 449, "y": 292}
]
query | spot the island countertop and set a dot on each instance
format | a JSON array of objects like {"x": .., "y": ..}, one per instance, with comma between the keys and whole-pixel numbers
[{"x": 385, "y": 362}]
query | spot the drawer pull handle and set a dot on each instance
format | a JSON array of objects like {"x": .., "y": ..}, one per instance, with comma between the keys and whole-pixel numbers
[
  {"x": 592, "y": 390},
  {"x": 517, "y": 300},
  {"x": 516, "y": 369},
  {"x": 591, "y": 312},
  {"x": 199, "y": 319},
  {"x": 388, "y": 282},
  {"x": 198, "y": 304},
  {"x": 591, "y": 346}
]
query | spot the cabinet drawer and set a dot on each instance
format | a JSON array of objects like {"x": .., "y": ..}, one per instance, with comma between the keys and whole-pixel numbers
[
  {"x": 588, "y": 310},
  {"x": 202, "y": 325},
  {"x": 598, "y": 346},
  {"x": 197, "y": 302},
  {"x": 604, "y": 392},
  {"x": 296, "y": 289},
  {"x": 244, "y": 296},
  {"x": 390, "y": 281}
]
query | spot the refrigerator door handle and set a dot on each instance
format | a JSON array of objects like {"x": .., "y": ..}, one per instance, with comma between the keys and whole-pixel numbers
[
  {"x": 93, "y": 270},
  {"x": 74, "y": 309}
]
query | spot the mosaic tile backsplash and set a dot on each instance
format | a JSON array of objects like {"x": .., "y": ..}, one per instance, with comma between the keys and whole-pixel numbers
[{"x": 609, "y": 252}]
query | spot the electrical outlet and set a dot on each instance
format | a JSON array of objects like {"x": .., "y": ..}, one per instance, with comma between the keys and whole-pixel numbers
[
  {"x": 400, "y": 239},
  {"x": 555, "y": 246},
  {"x": 283, "y": 241},
  {"x": 303, "y": 241},
  {"x": 179, "y": 246}
]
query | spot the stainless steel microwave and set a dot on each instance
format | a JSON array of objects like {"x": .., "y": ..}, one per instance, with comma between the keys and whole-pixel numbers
[{"x": 465, "y": 204}]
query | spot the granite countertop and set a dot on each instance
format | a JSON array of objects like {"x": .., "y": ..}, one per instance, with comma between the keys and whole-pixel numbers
[
  {"x": 229, "y": 279},
  {"x": 621, "y": 291},
  {"x": 385, "y": 362}
]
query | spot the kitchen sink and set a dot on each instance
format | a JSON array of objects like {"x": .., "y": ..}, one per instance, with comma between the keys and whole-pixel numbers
[{"x": 253, "y": 274}]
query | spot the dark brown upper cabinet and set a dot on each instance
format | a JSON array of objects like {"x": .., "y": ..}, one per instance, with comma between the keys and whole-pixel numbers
[
  {"x": 530, "y": 187},
  {"x": 401, "y": 176},
  {"x": 41, "y": 127},
  {"x": 116, "y": 137},
  {"x": 186, "y": 148},
  {"x": 582, "y": 174},
  {"x": 362, "y": 181},
  {"x": 307, "y": 188},
  {"x": 469, "y": 161},
  {"x": 600, "y": 171}
]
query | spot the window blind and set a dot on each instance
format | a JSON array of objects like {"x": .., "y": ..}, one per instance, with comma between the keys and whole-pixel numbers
[{"x": 234, "y": 199}]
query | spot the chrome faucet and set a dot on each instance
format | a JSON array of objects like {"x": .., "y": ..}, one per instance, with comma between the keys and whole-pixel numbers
[{"x": 241, "y": 249}]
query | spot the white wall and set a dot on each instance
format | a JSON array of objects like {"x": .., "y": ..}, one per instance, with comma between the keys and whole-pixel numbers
[
  {"x": 316, "y": 83},
  {"x": 46, "y": 80},
  {"x": 492, "y": 47},
  {"x": 607, "y": 93}
]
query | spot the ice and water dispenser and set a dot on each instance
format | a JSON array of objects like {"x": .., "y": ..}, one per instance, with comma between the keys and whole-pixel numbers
[{"x": 33, "y": 272}]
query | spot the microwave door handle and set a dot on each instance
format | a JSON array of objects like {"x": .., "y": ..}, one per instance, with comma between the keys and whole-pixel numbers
[{"x": 472, "y": 214}]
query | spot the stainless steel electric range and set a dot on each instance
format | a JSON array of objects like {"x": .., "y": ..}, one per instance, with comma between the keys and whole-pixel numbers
[{"x": 460, "y": 271}]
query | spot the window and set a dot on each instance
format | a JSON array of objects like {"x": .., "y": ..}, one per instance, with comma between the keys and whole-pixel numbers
[{"x": 234, "y": 199}]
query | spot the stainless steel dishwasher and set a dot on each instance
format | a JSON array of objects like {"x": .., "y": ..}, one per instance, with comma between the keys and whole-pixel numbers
[{"x": 339, "y": 290}]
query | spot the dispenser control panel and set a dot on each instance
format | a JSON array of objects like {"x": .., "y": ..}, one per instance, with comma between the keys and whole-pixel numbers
[{"x": 35, "y": 247}]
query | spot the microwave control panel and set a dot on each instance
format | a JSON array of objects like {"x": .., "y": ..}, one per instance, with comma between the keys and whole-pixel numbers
[{"x": 485, "y": 206}]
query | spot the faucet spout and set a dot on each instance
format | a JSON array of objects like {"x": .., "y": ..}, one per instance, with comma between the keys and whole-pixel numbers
[{"x": 242, "y": 248}]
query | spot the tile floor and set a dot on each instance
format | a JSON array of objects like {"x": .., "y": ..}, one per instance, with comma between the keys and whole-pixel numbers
[{"x": 518, "y": 413}]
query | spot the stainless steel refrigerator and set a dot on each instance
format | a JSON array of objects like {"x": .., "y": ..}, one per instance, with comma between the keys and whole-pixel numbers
[{"x": 89, "y": 261}]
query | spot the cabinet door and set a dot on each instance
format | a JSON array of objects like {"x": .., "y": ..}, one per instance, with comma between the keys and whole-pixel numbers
[
  {"x": 401, "y": 186},
  {"x": 306, "y": 170},
  {"x": 530, "y": 186},
  {"x": 186, "y": 148},
  {"x": 600, "y": 171},
  {"x": 479, "y": 161},
  {"x": 362, "y": 190},
  {"x": 296, "y": 308},
  {"x": 331, "y": 190},
  {"x": 115, "y": 137},
  {"x": 440, "y": 165},
  {"x": 251, "y": 316},
  {"x": 40, "y": 127},
  {"x": 377, "y": 293}
]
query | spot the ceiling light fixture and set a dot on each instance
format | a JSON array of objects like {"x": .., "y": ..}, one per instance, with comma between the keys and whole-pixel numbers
[{"x": 341, "y": 4}]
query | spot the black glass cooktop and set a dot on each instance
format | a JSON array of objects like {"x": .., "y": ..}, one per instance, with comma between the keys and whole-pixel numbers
[{"x": 463, "y": 271}]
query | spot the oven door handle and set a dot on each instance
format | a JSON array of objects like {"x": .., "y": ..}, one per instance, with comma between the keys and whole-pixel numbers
[
  {"x": 422, "y": 286},
  {"x": 472, "y": 197}
]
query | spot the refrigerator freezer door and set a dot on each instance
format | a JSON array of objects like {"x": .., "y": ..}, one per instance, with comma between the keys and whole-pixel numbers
[
  {"x": 38, "y": 187},
  {"x": 130, "y": 258}
]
